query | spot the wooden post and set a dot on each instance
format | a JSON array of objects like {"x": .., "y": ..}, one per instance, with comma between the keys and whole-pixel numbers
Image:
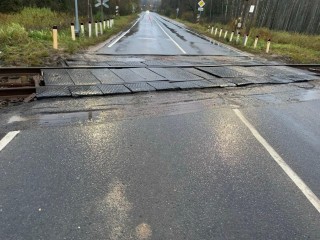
[
  {"x": 268, "y": 46},
  {"x": 215, "y": 32},
  {"x": 90, "y": 29},
  {"x": 225, "y": 34},
  {"x": 246, "y": 37},
  {"x": 256, "y": 42},
  {"x": 82, "y": 29},
  {"x": 96, "y": 28},
  {"x": 73, "y": 34},
  {"x": 231, "y": 36},
  {"x": 55, "y": 37},
  {"x": 220, "y": 33},
  {"x": 101, "y": 29},
  {"x": 238, "y": 37}
]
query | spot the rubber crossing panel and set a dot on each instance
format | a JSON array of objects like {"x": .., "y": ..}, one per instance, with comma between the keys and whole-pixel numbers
[
  {"x": 175, "y": 74},
  {"x": 147, "y": 74},
  {"x": 128, "y": 76},
  {"x": 79, "y": 91},
  {"x": 108, "y": 89},
  {"x": 162, "y": 85},
  {"x": 83, "y": 77},
  {"x": 140, "y": 87},
  {"x": 57, "y": 77},
  {"x": 53, "y": 91},
  {"x": 222, "y": 72},
  {"x": 106, "y": 76}
]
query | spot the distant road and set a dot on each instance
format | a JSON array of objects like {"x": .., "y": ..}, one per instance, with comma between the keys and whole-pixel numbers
[{"x": 153, "y": 34}]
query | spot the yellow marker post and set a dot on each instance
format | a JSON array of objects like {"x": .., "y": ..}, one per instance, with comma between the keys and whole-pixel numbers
[
  {"x": 73, "y": 34},
  {"x": 55, "y": 37},
  {"x": 231, "y": 36},
  {"x": 96, "y": 28},
  {"x": 268, "y": 46},
  {"x": 256, "y": 42},
  {"x": 225, "y": 34},
  {"x": 90, "y": 29}
]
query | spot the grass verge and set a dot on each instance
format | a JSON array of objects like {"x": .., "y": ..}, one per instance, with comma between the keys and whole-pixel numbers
[
  {"x": 285, "y": 46},
  {"x": 26, "y": 37}
]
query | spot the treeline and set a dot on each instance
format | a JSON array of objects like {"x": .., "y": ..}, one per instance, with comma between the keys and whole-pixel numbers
[
  {"x": 126, "y": 7},
  {"x": 288, "y": 15}
]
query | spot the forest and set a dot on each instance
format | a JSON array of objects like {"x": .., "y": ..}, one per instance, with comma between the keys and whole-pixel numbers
[
  {"x": 301, "y": 16},
  {"x": 125, "y": 6}
]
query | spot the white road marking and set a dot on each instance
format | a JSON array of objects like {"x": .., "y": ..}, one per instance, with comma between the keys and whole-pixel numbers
[
  {"x": 181, "y": 49},
  {"x": 313, "y": 199},
  {"x": 146, "y": 38},
  {"x": 7, "y": 139},
  {"x": 122, "y": 35}
]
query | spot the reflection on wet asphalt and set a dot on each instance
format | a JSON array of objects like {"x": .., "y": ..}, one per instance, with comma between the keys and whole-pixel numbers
[{"x": 150, "y": 36}]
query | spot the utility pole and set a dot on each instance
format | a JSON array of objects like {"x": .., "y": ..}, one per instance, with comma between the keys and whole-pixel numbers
[
  {"x": 211, "y": 11},
  {"x": 77, "y": 17}
]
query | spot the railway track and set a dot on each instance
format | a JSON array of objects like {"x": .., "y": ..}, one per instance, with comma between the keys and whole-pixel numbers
[{"x": 20, "y": 83}]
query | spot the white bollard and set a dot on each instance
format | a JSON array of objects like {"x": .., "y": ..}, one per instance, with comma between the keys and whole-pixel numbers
[
  {"x": 55, "y": 37},
  {"x": 82, "y": 29},
  {"x": 96, "y": 28},
  {"x": 246, "y": 37},
  {"x": 108, "y": 23},
  {"x": 112, "y": 22},
  {"x": 101, "y": 29},
  {"x": 268, "y": 46},
  {"x": 220, "y": 33},
  {"x": 215, "y": 32},
  {"x": 225, "y": 34},
  {"x": 90, "y": 29},
  {"x": 238, "y": 38},
  {"x": 73, "y": 34},
  {"x": 256, "y": 42},
  {"x": 211, "y": 30},
  {"x": 231, "y": 36},
  {"x": 104, "y": 24}
]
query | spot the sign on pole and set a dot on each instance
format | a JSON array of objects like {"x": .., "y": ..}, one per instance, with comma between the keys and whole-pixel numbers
[
  {"x": 251, "y": 9},
  {"x": 201, "y": 3},
  {"x": 200, "y": 9},
  {"x": 102, "y": 2}
]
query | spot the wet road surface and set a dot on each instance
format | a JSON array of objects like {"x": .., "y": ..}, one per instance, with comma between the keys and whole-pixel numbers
[
  {"x": 153, "y": 34},
  {"x": 163, "y": 166}
]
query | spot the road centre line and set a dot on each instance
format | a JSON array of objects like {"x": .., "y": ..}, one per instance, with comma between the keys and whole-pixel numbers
[
  {"x": 181, "y": 49},
  {"x": 123, "y": 34},
  {"x": 313, "y": 199},
  {"x": 7, "y": 139}
]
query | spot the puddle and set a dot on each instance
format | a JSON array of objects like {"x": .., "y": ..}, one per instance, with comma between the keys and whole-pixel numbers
[
  {"x": 63, "y": 118},
  {"x": 16, "y": 119}
]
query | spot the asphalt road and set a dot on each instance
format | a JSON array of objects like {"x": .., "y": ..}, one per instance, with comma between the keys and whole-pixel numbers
[
  {"x": 153, "y": 34},
  {"x": 163, "y": 166}
]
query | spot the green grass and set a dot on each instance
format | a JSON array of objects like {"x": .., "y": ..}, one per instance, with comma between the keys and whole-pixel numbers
[
  {"x": 285, "y": 46},
  {"x": 26, "y": 37}
]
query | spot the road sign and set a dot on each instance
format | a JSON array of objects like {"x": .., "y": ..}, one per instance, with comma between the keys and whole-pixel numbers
[
  {"x": 102, "y": 2},
  {"x": 201, "y": 3},
  {"x": 251, "y": 9},
  {"x": 200, "y": 9}
]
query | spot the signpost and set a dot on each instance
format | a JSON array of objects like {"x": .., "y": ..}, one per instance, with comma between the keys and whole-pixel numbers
[
  {"x": 117, "y": 10},
  {"x": 101, "y": 4},
  {"x": 201, "y": 4}
]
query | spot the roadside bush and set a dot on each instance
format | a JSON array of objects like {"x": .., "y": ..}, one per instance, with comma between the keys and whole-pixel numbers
[
  {"x": 187, "y": 16},
  {"x": 41, "y": 18},
  {"x": 12, "y": 34}
]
